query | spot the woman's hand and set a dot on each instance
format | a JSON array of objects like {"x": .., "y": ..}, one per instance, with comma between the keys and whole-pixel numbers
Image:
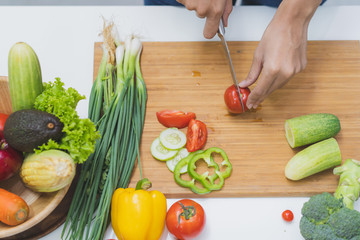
[
  {"x": 212, "y": 10},
  {"x": 281, "y": 52}
]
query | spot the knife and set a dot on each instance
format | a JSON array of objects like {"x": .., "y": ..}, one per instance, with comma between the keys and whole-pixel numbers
[{"x": 221, "y": 34}]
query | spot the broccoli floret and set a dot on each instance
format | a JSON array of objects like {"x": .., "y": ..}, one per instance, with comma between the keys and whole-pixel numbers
[
  {"x": 326, "y": 218},
  {"x": 342, "y": 219}
]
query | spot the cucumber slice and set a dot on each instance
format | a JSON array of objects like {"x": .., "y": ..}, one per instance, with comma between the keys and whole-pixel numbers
[
  {"x": 311, "y": 128},
  {"x": 160, "y": 152},
  {"x": 171, "y": 163},
  {"x": 313, "y": 159},
  {"x": 173, "y": 138}
]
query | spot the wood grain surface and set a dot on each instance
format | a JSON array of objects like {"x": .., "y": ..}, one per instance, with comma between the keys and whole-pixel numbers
[{"x": 193, "y": 76}]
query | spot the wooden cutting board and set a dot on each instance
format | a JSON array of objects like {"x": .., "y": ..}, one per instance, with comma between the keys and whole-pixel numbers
[{"x": 193, "y": 76}]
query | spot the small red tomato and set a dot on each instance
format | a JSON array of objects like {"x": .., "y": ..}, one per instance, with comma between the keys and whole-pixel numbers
[
  {"x": 196, "y": 135},
  {"x": 3, "y": 118},
  {"x": 173, "y": 118},
  {"x": 287, "y": 215},
  {"x": 232, "y": 100},
  {"x": 185, "y": 219}
]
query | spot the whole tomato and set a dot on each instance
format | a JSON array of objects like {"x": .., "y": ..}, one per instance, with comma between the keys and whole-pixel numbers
[
  {"x": 232, "y": 100},
  {"x": 3, "y": 118},
  {"x": 10, "y": 160},
  {"x": 185, "y": 219}
]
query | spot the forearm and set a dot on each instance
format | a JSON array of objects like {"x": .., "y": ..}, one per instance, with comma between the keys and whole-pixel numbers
[{"x": 297, "y": 10}]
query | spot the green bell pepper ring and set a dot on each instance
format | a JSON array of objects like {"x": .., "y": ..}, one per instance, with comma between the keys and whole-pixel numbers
[
  {"x": 184, "y": 183},
  {"x": 206, "y": 180}
]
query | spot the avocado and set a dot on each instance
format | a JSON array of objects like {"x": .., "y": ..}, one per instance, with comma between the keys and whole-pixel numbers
[{"x": 27, "y": 129}]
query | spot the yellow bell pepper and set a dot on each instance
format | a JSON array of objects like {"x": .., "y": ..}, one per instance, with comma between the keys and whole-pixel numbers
[{"x": 138, "y": 214}]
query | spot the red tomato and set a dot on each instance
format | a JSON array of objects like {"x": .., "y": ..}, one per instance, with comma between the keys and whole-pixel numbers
[
  {"x": 173, "y": 118},
  {"x": 196, "y": 135},
  {"x": 3, "y": 118},
  {"x": 185, "y": 219},
  {"x": 232, "y": 100},
  {"x": 287, "y": 215}
]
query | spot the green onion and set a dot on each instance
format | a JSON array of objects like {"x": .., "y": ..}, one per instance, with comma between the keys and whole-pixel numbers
[{"x": 117, "y": 104}]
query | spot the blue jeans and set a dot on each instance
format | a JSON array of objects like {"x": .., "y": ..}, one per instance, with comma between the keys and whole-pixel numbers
[{"x": 272, "y": 3}]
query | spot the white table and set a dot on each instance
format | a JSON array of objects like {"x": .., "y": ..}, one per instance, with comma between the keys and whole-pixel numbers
[{"x": 63, "y": 38}]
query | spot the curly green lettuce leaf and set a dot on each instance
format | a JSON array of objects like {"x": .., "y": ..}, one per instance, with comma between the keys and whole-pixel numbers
[{"x": 79, "y": 135}]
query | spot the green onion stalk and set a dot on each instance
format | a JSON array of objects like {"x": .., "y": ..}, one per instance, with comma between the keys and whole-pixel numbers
[{"x": 115, "y": 154}]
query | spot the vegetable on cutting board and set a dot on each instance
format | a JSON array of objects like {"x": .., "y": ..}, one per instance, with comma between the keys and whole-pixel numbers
[
  {"x": 28, "y": 129},
  {"x": 232, "y": 100},
  {"x": 313, "y": 159},
  {"x": 185, "y": 219},
  {"x": 25, "y": 81},
  {"x": 172, "y": 138},
  {"x": 10, "y": 160},
  {"x": 13, "y": 209},
  {"x": 327, "y": 216},
  {"x": 174, "y": 118},
  {"x": 159, "y": 152},
  {"x": 196, "y": 135},
  {"x": 48, "y": 171},
  {"x": 311, "y": 128},
  {"x": 137, "y": 213}
]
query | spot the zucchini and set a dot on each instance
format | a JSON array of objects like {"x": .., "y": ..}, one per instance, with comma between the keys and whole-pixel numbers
[
  {"x": 313, "y": 159},
  {"x": 311, "y": 128},
  {"x": 25, "y": 81}
]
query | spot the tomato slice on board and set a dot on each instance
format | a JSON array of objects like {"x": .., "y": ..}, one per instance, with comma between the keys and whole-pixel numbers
[
  {"x": 232, "y": 100},
  {"x": 174, "y": 118},
  {"x": 196, "y": 135}
]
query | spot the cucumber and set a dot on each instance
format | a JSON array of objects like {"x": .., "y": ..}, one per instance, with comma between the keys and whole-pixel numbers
[
  {"x": 171, "y": 163},
  {"x": 25, "y": 81},
  {"x": 311, "y": 128},
  {"x": 173, "y": 138},
  {"x": 313, "y": 159},
  {"x": 161, "y": 153}
]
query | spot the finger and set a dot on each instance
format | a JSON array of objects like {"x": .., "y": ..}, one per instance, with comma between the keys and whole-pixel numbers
[
  {"x": 211, "y": 26},
  {"x": 228, "y": 9},
  {"x": 261, "y": 91},
  {"x": 254, "y": 72}
]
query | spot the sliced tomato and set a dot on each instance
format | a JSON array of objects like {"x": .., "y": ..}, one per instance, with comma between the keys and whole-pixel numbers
[
  {"x": 174, "y": 118},
  {"x": 196, "y": 135}
]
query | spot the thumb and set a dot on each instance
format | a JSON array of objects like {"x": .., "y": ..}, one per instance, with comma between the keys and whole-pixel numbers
[{"x": 253, "y": 74}]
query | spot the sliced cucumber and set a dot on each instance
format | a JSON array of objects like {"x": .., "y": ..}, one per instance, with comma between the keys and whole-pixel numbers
[
  {"x": 160, "y": 152},
  {"x": 172, "y": 138},
  {"x": 171, "y": 163},
  {"x": 311, "y": 128},
  {"x": 313, "y": 159}
]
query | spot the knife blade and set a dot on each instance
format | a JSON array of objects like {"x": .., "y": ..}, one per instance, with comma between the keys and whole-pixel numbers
[{"x": 221, "y": 34}]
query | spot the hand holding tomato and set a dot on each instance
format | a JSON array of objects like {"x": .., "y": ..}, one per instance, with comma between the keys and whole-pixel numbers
[
  {"x": 185, "y": 219},
  {"x": 232, "y": 100}
]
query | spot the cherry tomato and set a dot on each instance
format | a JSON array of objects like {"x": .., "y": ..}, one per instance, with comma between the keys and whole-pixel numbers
[
  {"x": 3, "y": 118},
  {"x": 287, "y": 215},
  {"x": 185, "y": 219},
  {"x": 232, "y": 100},
  {"x": 173, "y": 118},
  {"x": 196, "y": 135}
]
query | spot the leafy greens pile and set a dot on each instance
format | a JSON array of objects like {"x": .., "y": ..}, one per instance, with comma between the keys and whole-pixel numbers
[{"x": 79, "y": 135}]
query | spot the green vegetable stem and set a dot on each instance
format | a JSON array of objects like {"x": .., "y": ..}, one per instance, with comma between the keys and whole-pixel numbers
[{"x": 117, "y": 106}]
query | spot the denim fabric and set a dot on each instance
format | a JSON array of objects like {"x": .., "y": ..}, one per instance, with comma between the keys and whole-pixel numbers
[{"x": 272, "y": 3}]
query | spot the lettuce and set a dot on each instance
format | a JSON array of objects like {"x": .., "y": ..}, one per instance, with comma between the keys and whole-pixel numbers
[{"x": 79, "y": 135}]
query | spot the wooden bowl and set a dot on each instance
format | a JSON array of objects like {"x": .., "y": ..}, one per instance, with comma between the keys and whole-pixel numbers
[{"x": 41, "y": 204}]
